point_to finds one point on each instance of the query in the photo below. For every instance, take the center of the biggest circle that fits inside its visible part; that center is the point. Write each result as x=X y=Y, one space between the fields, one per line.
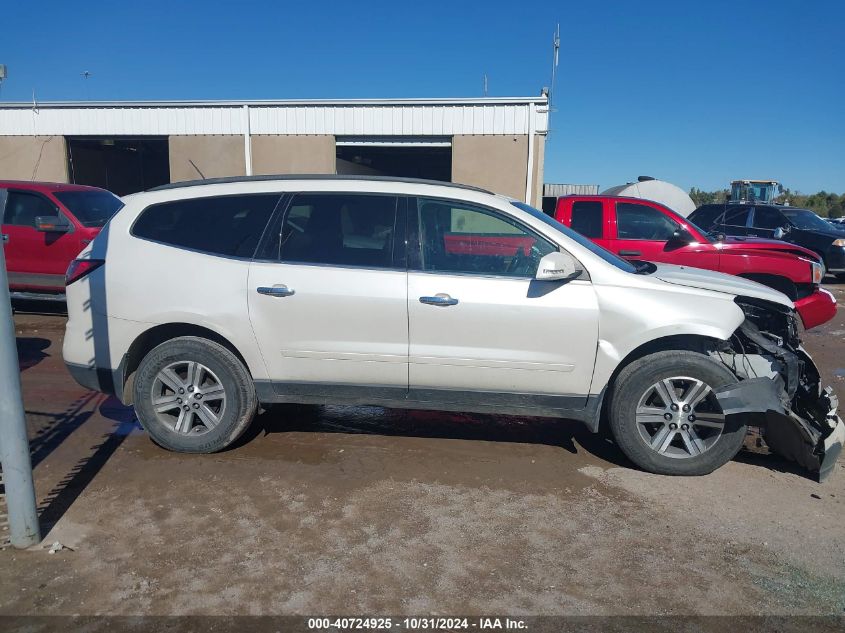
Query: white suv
x=201 y=301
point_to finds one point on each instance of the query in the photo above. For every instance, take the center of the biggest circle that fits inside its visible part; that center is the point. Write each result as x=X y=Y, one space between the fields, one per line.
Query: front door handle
x=275 y=291
x=440 y=299
x=625 y=253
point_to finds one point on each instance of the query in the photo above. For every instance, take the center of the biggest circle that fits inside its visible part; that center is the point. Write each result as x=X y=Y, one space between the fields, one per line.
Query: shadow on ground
x=72 y=485
x=31 y=351
x=569 y=435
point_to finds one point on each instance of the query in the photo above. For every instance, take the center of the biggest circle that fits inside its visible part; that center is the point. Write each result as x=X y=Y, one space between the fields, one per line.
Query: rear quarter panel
x=150 y=284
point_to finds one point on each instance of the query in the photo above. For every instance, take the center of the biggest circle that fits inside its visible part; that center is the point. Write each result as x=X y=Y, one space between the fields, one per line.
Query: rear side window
x=341 y=229
x=641 y=222
x=587 y=218
x=223 y=225
x=22 y=208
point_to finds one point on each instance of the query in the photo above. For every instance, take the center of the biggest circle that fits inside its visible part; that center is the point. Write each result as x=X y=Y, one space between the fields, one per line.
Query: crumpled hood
x=718 y=282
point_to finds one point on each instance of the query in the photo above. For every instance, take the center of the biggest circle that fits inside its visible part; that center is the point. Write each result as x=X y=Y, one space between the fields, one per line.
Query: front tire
x=193 y=395
x=666 y=419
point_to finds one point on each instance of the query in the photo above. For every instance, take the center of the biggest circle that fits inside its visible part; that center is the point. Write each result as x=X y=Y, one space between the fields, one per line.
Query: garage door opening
x=121 y=165
x=430 y=159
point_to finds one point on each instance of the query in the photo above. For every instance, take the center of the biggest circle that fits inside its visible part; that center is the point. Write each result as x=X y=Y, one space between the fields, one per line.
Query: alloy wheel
x=679 y=417
x=188 y=397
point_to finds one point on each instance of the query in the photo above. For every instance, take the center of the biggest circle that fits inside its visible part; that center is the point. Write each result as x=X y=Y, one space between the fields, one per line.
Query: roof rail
x=232 y=179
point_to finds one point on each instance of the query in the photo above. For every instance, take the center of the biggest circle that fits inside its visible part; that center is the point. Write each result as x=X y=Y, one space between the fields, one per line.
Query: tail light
x=79 y=268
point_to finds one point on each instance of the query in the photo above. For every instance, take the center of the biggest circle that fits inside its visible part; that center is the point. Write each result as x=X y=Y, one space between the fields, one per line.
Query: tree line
x=827 y=205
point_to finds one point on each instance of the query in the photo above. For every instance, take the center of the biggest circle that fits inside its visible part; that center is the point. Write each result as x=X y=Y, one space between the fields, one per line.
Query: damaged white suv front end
x=780 y=388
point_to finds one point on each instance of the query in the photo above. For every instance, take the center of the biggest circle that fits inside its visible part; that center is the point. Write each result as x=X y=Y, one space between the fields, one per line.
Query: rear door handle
x=630 y=253
x=275 y=291
x=440 y=299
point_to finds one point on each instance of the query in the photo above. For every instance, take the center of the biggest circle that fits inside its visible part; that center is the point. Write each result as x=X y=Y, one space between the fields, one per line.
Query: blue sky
x=696 y=93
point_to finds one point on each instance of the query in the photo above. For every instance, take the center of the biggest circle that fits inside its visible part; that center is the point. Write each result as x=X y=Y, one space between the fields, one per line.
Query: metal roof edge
x=469 y=101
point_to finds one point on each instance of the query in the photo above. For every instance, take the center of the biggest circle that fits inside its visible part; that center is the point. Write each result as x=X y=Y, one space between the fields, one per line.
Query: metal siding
x=390 y=119
x=556 y=190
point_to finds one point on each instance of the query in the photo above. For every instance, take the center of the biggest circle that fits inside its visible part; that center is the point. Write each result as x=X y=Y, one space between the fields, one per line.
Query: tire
x=840 y=277
x=219 y=394
x=710 y=439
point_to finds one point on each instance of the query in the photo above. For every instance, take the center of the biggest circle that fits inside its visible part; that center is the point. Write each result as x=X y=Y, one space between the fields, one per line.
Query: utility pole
x=24 y=530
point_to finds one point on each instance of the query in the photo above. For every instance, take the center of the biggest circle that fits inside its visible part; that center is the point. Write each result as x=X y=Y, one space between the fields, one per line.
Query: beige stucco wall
x=33 y=158
x=293 y=154
x=497 y=163
x=214 y=156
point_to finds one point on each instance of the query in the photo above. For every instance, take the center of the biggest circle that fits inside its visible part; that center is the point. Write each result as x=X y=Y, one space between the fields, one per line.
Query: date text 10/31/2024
x=416 y=623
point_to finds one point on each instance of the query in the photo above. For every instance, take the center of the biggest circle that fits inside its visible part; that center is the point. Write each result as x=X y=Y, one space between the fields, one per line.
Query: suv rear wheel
x=666 y=419
x=193 y=395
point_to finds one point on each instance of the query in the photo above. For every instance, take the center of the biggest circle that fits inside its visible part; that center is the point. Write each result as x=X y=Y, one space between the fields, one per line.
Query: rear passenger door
x=328 y=297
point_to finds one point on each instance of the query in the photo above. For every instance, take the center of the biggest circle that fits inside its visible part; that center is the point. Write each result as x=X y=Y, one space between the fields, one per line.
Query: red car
x=45 y=225
x=644 y=230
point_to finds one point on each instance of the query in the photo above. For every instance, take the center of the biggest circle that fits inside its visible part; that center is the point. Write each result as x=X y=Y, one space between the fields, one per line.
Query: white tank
x=660 y=191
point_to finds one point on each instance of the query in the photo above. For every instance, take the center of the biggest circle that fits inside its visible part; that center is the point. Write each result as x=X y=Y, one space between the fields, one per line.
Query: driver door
x=644 y=232
x=480 y=328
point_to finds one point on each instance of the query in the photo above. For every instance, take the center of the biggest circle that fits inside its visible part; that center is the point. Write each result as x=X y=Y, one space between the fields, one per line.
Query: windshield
x=605 y=254
x=805 y=219
x=91 y=208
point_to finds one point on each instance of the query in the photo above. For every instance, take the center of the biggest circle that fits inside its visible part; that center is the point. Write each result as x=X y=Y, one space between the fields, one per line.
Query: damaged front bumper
x=780 y=389
x=815 y=444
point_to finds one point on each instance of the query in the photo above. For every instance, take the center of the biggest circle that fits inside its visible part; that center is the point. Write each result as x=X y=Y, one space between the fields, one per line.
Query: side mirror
x=682 y=235
x=780 y=232
x=557 y=267
x=51 y=224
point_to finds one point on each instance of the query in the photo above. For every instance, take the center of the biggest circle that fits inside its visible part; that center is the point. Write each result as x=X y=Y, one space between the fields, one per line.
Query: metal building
x=495 y=143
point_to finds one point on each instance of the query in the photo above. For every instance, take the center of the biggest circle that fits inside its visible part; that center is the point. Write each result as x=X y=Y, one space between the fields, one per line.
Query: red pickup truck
x=45 y=225
x=639 y=229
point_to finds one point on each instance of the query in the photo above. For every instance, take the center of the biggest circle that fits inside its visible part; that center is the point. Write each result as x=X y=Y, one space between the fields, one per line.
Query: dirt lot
x=373 y=511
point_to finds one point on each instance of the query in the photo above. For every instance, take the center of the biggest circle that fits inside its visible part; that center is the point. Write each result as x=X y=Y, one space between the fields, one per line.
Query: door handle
x=625 y=253
x=440 y=299
x=275 y=291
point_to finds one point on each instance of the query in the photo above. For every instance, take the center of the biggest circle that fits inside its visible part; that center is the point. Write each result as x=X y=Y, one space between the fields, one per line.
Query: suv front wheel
x=193 y=395
x=666 y=419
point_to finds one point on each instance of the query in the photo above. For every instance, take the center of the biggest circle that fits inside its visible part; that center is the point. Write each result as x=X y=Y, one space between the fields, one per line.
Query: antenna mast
x=556 y=49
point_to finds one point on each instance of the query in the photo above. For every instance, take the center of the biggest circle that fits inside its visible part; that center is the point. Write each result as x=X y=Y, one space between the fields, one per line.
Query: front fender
x=631 y=318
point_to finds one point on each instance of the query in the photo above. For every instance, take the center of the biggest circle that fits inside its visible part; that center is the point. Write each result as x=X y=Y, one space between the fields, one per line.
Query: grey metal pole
x=24 y=530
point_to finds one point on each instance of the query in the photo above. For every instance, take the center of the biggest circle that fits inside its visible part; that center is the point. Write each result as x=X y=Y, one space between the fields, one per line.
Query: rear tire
x=665 y=418
x=193 y=395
